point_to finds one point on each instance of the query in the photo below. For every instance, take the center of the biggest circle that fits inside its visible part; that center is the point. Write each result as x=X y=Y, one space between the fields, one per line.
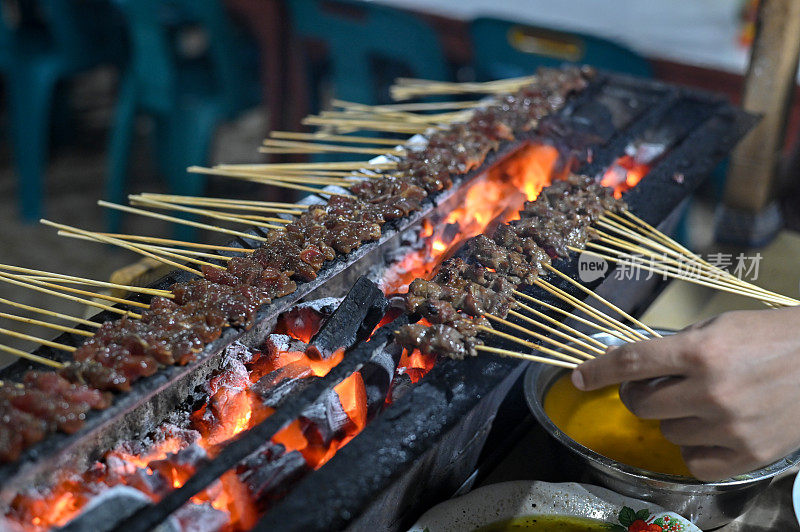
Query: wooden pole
x=768 y=88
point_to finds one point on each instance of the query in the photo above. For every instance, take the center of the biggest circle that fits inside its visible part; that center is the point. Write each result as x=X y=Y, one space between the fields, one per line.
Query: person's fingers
x=664 y=398
x=712 y=463
x=636 y=361
x=691 y=432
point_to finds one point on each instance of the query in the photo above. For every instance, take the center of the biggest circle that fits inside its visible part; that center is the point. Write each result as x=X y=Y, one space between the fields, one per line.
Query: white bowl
x=508 y=500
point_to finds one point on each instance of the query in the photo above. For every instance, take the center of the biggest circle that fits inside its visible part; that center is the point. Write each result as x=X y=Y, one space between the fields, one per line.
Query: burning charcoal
x=282 y=343
x=110 y=508
x=274 y=387
x=239 y=351
x=324 y=420
x=400 y=385
x=354 y=320
x=270 y=473
x=201 y=518
x=304 y=320
x=178 y=467
x=377 y=375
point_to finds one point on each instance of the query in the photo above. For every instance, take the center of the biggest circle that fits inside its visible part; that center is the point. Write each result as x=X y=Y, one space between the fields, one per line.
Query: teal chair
x=504 y=49
x=188 y=97
x=48 y=42
x=362 y=39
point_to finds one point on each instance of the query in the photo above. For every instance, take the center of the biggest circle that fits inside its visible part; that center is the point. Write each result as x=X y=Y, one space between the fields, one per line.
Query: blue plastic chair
x=504 y=49
x=53 y=40
x=359 y=35
x=187 y=97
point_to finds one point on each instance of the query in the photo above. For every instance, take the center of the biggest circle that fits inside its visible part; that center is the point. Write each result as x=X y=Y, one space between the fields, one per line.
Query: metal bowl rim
x=667 y=481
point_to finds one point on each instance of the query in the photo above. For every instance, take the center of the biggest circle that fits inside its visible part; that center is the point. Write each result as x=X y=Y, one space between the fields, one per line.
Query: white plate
x=517 y=499
x=796 y=497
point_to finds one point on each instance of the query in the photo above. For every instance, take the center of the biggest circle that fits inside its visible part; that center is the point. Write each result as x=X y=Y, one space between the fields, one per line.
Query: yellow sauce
x=600 y=421
x=547 y=523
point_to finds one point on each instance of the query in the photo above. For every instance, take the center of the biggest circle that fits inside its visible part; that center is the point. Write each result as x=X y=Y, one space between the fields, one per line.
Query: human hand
x=726 y=390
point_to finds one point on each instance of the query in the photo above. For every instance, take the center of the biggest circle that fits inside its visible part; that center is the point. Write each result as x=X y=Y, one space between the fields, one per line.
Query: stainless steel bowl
x=707 y=504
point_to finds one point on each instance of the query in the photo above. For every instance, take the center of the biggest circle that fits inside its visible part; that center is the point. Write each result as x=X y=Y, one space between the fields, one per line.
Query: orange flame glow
x=624 y=174
x=497 y=196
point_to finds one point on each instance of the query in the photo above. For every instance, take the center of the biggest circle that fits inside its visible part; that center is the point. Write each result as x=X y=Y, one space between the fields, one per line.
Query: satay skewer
x=690 y=270
x=95 y=295
x=626 y=260
x=523 y=356
x=604 y=301
x=570 y=315
x=29 y=356
x=264 y=207
x=419 y=106
x=46 y=312
x=179 y=254
x=149 y=202
x=351 y=139
x=320 y=147
x=48 y=343
x=199 y=225
x=44 y=275
x=542 y=337
x=181 y=243
x=46 y=324
x=255 y=177
x=580 y=342
x=69 y=297
x=121 y=243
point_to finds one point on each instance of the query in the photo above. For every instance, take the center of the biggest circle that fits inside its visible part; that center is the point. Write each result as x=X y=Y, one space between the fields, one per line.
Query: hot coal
x=109 y=508
x=356 y=317
x=276 y=386
x=271 y=472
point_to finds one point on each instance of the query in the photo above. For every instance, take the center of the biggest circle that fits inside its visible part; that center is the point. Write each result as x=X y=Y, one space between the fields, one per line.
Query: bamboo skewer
x=420 y=106
x=406 y=88
x=89 y=282
x=46 y=312
x=563 y=335
x=679 y=269
x=75 y=290
x=658 y=240
x=174 y=219
x=148 y=202
x=627 y=332
x=671 y=273
x=48 y=343
x=539 y=336
x=603 y=300
x=90 y=303
x=47 y=324
x=120 y=243
x=29 y=356
x=259 y=206
x=333 y=165
x=352 y=124
x=184 y=255
x=532 y=358
x=378 y=141
x=258 y=178
x=568 y=314
x=156 y=240
x=278 y=146
x=530 y=345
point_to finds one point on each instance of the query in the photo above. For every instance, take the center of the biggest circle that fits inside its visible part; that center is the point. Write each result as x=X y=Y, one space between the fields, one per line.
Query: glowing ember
x=624 y=174
x=497 y=196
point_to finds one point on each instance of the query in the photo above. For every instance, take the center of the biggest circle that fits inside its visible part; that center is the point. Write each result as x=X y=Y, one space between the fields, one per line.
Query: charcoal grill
x=422 y=448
